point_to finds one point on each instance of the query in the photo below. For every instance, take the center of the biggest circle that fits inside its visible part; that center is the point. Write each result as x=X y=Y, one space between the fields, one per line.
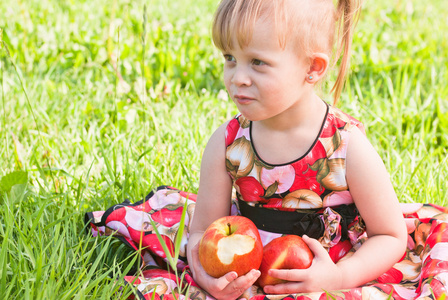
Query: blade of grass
x=180 y=231
x=29 y=105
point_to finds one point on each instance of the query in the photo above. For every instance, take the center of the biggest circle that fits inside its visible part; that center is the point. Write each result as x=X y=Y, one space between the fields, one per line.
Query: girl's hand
x=322 y=275
x=229 y=286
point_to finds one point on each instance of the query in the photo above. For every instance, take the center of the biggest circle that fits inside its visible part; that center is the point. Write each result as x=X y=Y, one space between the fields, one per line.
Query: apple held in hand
x=286 y=252
x=230 y=243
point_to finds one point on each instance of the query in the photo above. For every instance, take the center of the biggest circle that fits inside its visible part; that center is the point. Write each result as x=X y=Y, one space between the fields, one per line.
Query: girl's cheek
x=227 y=80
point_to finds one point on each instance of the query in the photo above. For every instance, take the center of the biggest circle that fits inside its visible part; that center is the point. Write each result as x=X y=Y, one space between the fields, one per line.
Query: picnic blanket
x=422 y=273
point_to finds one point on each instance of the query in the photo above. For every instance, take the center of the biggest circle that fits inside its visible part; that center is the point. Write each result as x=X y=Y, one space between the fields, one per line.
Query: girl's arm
x=374 y=196
x=213 y=202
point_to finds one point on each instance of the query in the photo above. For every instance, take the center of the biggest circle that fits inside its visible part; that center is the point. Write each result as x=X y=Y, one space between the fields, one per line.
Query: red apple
x=230 y=243
x=286 y=252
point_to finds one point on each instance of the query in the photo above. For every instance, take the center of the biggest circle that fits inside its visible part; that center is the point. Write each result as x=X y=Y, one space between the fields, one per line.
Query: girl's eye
x=229 y=58
x=257 y=62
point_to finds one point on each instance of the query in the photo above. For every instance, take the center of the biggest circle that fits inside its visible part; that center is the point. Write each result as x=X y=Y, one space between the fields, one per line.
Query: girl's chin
x=250 y=117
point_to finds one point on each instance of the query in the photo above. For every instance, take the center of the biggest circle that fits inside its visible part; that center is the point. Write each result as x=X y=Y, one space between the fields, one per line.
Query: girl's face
x=263 y=79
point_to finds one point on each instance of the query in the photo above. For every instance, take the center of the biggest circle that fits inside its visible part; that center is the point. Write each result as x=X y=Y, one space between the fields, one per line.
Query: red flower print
x=167 y=217
x=305 y=176
x=439 y=234
x=438 y=288
x=302 y=166
x=275 y=203
x=152 y=296
x=152 y=242
x=249 y=188
x=331 y=125
x=231 y=131
x=306 y=182
x=340 y=250
x=391 y=276
x=117 y=215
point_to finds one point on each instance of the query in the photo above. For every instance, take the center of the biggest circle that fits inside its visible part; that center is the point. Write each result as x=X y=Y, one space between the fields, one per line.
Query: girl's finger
x=241 y=284
x=224 y=281
x=315 y=246
x=284 y=288
x=288 y=274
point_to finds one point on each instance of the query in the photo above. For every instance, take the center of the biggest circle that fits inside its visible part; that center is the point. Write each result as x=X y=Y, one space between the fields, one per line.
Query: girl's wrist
x=341 y=275
x=345 y=271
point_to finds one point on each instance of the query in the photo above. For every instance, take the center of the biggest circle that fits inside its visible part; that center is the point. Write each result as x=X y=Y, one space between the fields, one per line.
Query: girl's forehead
x=304 y=24
x=265 y=34
x=237 y=19
x=241 y=19
x=261 y=29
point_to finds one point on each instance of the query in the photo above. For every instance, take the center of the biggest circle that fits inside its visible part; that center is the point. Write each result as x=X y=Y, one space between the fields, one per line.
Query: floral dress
x=313 y=187
x=314 y=183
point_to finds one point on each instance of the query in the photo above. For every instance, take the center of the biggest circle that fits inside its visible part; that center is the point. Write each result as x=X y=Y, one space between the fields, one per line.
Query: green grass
x=103 y=101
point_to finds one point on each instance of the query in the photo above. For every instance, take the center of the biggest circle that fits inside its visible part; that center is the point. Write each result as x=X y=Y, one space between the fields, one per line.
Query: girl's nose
x=241 y=77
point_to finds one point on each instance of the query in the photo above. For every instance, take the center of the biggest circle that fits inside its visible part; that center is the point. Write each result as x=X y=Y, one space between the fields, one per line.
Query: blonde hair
x=311 y=25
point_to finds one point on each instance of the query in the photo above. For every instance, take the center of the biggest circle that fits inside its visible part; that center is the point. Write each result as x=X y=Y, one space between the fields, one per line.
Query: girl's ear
x=318 y=67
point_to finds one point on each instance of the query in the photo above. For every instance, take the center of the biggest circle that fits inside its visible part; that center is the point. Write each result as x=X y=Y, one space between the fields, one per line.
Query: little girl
x=288 y=150
x=298 y=166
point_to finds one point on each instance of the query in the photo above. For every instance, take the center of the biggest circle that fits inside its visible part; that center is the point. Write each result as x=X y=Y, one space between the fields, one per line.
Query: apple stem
x=230 y=228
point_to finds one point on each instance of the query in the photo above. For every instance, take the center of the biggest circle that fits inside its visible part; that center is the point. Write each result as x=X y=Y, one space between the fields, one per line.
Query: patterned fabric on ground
x=422 y=273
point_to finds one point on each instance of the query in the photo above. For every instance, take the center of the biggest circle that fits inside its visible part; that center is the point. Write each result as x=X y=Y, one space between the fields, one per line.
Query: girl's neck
x=282 y=140
x=304 y=114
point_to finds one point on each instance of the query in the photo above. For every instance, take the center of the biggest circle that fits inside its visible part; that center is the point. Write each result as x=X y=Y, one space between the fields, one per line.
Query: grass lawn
x=105 y=100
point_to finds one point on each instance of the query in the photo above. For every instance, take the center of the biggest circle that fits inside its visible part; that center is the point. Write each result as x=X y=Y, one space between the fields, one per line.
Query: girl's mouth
x=242 y=99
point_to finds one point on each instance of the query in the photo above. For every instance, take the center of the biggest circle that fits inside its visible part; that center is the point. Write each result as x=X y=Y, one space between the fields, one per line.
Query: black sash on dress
x=298 y=223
